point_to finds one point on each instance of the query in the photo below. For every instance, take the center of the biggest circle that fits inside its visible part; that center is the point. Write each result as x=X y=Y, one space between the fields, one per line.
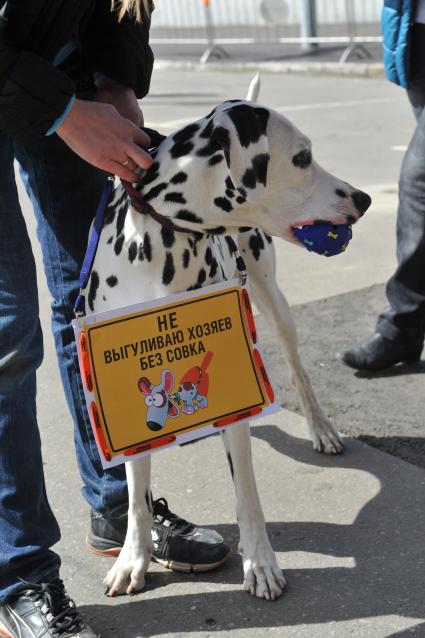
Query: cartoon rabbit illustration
x=157 y=399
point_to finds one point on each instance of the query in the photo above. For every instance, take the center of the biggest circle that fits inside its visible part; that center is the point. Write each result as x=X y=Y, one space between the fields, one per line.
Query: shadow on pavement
x=385 y=544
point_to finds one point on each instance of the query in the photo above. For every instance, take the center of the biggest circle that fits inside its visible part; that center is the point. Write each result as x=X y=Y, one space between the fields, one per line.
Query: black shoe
x=42 y=610
x=178 y=544
x=377 y=353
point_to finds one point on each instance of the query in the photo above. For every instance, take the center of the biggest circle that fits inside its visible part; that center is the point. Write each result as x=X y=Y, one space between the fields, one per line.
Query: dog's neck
x=195 y=199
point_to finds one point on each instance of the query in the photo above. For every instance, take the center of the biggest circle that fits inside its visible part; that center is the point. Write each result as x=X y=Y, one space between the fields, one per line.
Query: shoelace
x=58 y=608
x=162 y=514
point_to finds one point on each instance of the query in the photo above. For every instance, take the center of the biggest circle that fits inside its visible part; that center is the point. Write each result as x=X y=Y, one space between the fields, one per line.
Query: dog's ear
x=145 y=386
x=240 y=131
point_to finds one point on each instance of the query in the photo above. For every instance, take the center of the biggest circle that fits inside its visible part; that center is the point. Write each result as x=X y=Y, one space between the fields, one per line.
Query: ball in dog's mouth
x=324 y=238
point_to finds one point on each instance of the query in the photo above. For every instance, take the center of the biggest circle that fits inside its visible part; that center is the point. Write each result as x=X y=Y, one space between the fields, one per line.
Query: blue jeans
x=404 y=320
x=64 y=191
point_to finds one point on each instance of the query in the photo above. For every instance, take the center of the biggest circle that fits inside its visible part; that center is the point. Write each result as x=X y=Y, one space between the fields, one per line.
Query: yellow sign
x=160 y=373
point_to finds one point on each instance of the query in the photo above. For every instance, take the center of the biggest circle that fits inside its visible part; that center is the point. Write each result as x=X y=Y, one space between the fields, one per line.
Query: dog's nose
x=153 y=425
x=362 y=201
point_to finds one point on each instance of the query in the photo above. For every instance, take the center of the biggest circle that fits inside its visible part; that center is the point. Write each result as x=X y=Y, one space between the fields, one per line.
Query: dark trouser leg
x=404 y=321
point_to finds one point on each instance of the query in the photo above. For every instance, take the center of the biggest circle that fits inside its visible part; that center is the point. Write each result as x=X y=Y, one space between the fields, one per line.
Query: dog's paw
x=263 y=581
x=325 y=438
x=127 y=576
x=262 y=576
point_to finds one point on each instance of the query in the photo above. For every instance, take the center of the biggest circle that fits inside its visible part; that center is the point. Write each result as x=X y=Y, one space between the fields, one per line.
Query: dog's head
x=245 y=165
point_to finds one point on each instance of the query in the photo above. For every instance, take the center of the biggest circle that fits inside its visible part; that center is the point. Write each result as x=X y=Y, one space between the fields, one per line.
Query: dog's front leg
x=269 y=297
x=262 y=576
x=128 y=573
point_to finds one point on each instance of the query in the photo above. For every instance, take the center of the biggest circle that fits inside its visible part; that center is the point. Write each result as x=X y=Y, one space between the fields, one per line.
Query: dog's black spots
x=249 y=178
x=118 y=245
x=154 y=191
x=242 y=192
x=147 y=247
x=229 y=184
x=168 y=236
x=230 y=245
x=176 y=198
x=188 y=216
x=112 y=281
x=151 y=174
x=229 y=458
x=186 y=133
x=141 y=252
x=148 y=499
x=256 y=243
x=224 y=204
x=250 y=123
x=186 y=258
x=229 y=193
x=109 y=215
x=94 y=285
x=202 y=275
x=194 y=246
x=220 y=247
x=268 y=237
x=244 y=229
x=215 y=159
x=208 y=150
x=179 y=178
x=240 y=200
x=208 y=256
x=213 y=268
x=132 y=251
x=221 y=137
x=207 y=131
x=121 y=220
x=211 y=113
x=302 y=159
x=260 y=163
x=169 y=270
x=340 y=193
x=194 y=287
x=103 y=297
x=110 y=240
x=219 y=230
x=180 y=149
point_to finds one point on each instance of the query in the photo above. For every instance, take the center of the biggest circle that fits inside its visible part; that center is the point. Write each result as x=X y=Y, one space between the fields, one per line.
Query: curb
x=350 y=69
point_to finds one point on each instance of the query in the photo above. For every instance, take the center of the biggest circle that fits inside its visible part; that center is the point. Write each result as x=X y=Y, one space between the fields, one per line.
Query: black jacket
x=33 y=92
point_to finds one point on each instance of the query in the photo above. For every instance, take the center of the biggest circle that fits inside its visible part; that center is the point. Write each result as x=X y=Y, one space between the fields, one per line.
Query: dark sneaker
x=43 y=610
x=178 y=544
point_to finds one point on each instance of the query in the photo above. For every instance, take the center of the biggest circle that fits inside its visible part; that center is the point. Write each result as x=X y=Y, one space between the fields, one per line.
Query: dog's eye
x=158 y=400
x=149 y=401
x=302 y=159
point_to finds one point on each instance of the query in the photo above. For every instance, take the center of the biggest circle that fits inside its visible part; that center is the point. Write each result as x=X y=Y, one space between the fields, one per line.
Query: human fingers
x=139 y=156
x=118 y=169
x=141 y=138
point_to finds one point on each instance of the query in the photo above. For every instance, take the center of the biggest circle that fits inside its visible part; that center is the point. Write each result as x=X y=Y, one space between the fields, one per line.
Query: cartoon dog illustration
x=193 y=387
x=158 y=400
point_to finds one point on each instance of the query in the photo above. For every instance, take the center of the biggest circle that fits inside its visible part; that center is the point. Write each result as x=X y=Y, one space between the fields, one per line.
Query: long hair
x=132 y=7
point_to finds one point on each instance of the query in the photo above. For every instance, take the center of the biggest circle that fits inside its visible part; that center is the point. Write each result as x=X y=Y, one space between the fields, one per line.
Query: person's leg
x=65 y=191
x=405 y=319
x=27 y=526
x=400 y=329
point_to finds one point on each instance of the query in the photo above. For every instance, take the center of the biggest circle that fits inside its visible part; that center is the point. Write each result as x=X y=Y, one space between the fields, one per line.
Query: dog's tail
x=254 y=88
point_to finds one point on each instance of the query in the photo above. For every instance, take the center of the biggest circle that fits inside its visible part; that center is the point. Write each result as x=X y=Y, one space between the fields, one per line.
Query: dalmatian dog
x=243 y=170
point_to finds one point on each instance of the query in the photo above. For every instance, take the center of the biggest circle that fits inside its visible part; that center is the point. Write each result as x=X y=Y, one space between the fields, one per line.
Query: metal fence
x=218 y=24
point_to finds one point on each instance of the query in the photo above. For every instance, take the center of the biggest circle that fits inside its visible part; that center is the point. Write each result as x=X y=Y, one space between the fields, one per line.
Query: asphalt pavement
x=348 y=531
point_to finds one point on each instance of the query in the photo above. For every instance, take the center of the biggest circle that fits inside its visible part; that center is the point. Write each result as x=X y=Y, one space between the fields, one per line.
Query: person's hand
x=123 y=98
x=101 y=136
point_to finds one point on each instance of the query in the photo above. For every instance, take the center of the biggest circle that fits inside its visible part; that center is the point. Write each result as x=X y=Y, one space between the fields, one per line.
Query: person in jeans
x=400 y=330
x=70 y=76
